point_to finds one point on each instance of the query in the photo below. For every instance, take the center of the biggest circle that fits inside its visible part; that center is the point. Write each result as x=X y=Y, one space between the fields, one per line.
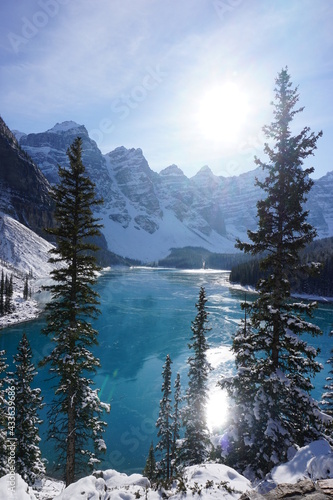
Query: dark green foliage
x=6 y=295
x=28 y=402
x=26 y=288
x=246 y=273
x=164 y=424
x=271 y=390
x=75 y=415
x=197 y=258
x=196 y=442
x=150 y=468
x=175 y=427
x=319 y=283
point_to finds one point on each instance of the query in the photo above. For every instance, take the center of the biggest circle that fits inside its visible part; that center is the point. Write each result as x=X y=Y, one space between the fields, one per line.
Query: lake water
x=147 y=314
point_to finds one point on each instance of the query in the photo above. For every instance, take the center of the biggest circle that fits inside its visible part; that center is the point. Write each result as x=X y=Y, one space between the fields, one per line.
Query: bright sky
x=188 y=81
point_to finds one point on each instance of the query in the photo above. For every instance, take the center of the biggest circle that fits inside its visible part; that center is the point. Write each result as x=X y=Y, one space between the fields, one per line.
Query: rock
x=303 y=489
x=326 y=485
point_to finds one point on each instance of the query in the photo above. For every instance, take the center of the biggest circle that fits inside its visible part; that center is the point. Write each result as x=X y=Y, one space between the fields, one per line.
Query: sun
x=222 y=112
x=217 y=409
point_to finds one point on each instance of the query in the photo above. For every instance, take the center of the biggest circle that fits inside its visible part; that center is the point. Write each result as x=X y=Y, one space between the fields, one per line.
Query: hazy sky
x=188 y=81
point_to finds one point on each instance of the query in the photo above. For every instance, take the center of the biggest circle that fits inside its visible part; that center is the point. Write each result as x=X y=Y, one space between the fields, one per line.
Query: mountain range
x=145 y=213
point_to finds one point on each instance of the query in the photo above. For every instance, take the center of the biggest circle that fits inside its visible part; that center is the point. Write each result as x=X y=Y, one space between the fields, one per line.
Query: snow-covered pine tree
x=150 y=468
x=4 y=455
x=196 y=443
x=26 y=288
x=28 y=402
x=274 y=365
x=175 y=426
x=75 y=414
x=9 y=289
x=164 y=424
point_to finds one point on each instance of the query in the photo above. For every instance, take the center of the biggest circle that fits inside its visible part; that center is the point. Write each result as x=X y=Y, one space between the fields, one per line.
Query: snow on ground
x=23 y=249
x=314 y=461
x=205 y=482
x=23 y=253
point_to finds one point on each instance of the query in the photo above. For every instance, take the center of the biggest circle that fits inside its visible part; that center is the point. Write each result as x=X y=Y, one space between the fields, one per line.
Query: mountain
x=25 y=192
x=146 y=213
x=23 y=249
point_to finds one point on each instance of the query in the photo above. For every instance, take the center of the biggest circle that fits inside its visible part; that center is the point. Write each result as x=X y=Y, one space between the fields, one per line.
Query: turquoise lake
x=147 y=314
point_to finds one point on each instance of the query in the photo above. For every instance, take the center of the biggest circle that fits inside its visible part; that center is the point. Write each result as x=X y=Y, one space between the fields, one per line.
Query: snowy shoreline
x=33 y=308
x=209 y=481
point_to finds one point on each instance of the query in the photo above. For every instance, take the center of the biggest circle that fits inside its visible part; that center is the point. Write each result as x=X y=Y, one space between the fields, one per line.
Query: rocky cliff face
x=146 y=213
x=48 y=150
x=24 y=189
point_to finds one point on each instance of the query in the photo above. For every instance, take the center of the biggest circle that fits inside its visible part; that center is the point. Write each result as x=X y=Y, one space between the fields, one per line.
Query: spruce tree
x=26 y=288
x=150 y=467
x=164 y=423
x=75 y=415
x=196 y=443
x=274 y=364
x=175 y=426
x=9 y=289
x=28 y=402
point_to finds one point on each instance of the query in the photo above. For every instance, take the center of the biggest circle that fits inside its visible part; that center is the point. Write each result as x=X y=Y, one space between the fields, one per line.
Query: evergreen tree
x=26 y=288
x=4 y=421
x=9 y=289
x=27 y=403
x=175 y=426
x=150 y=467
x=274 y=365
x=196 y=442
x=75 y=415
x=164 y=422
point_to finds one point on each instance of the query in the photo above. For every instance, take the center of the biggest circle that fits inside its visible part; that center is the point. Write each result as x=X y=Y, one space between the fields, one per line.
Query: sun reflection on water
x=217 y=410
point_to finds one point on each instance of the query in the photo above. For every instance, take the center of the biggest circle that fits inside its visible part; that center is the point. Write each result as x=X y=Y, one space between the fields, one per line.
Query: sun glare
x=217 y=409
x=222 y=112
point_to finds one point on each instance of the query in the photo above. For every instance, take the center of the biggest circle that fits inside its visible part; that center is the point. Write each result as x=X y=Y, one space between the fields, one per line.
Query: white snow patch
x=314 y=461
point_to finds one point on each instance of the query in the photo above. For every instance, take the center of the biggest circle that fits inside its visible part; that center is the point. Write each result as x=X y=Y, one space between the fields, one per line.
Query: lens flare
x=217 y=410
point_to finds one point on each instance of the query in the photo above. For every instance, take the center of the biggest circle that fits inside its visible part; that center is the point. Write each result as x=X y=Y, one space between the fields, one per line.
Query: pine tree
x=196 y=442
x=274 y=365
x=28 y=402
x=150 y=467
x=26 y=288
x=9 y=289
x=75 y=415
x=175 y=426
x=164 y=422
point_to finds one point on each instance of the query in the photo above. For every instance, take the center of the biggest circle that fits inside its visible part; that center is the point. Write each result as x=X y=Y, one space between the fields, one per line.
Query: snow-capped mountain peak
x=64 y=127
x=146 y=213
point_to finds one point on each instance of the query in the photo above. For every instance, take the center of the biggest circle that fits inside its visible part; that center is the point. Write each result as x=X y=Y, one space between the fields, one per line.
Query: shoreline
x=31 y=309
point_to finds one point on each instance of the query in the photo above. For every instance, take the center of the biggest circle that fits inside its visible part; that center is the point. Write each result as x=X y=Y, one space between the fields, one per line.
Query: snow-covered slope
x=23 y=249
x=22 y=253
x=205 y=482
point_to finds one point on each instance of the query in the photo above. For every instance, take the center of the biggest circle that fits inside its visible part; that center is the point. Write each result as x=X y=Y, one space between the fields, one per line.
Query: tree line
x=7 y=305
x=318 y=283
x=173 y=450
